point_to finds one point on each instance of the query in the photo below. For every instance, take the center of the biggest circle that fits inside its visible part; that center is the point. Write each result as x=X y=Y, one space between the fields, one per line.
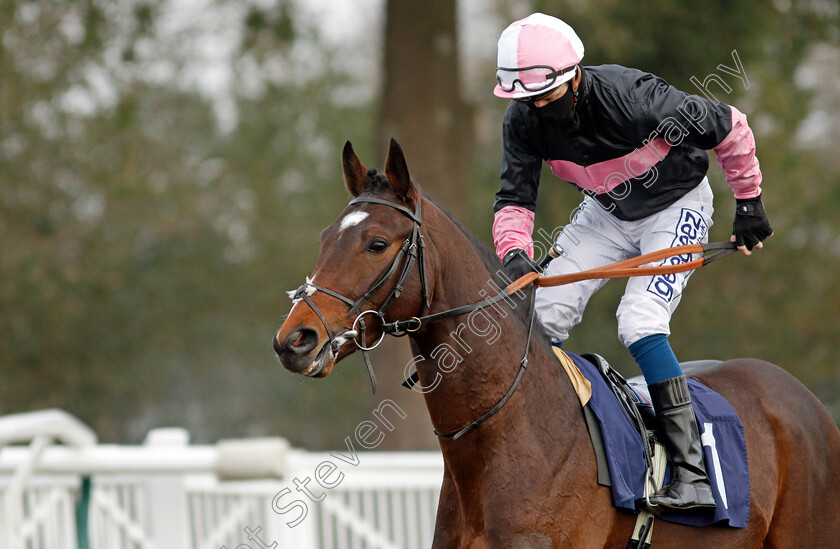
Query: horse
x=527 y=477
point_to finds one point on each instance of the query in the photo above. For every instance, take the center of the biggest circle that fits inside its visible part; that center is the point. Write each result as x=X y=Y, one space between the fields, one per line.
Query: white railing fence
x=64 y=491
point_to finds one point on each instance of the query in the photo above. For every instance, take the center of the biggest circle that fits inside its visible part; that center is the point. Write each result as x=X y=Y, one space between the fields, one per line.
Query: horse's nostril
x=302 y=341
x=275 y=342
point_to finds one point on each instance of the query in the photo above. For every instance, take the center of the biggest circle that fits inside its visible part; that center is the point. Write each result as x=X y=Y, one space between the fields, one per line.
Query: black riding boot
x=689 y=487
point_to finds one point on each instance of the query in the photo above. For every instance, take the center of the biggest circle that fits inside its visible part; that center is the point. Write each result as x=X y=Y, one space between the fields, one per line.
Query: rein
x=622 y=269
x=413 y=250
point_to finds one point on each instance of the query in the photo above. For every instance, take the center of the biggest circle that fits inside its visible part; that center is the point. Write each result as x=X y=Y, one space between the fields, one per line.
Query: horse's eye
x=377 y=246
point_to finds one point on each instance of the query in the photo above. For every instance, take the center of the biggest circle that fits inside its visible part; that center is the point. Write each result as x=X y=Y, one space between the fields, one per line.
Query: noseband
x=412 y=249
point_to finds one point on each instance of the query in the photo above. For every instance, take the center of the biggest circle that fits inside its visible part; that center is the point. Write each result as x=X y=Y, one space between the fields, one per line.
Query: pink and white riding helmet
x=536 y=55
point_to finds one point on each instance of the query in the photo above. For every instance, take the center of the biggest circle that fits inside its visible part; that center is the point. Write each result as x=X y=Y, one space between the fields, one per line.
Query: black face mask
x=561 y=111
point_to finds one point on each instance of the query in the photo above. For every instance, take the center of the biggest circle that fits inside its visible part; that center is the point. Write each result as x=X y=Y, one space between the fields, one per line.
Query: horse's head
x=364 y=257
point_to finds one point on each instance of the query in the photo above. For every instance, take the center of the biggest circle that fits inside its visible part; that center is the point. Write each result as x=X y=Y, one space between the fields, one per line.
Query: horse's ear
x=355 y=173
x=396 y=171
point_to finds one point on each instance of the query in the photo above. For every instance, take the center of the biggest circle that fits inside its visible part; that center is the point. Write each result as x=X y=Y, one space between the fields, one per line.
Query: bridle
x=413 y=250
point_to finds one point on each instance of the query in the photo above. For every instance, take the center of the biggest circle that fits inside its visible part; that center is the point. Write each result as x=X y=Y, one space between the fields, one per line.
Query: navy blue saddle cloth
x=724 y=450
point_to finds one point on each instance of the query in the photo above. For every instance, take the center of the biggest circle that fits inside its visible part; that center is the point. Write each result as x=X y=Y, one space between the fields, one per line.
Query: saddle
x=639 y=409
x=622 y=426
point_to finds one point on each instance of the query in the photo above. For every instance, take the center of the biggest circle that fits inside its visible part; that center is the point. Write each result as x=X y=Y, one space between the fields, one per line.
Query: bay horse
x=526 y=478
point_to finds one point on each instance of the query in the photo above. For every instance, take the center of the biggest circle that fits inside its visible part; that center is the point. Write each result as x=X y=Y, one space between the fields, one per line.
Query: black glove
x=517 y=264
x=751 y=225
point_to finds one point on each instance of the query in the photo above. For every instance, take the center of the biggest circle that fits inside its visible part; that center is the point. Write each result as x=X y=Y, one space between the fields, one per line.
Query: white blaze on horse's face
x=351 y=220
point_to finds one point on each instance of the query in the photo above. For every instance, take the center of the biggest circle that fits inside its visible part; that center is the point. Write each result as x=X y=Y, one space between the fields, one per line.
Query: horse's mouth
x=323 y=363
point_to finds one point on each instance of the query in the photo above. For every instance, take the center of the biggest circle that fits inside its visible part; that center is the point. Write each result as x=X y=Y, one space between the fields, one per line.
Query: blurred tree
x=423 y=109
x=147 y=249
x=421 y=101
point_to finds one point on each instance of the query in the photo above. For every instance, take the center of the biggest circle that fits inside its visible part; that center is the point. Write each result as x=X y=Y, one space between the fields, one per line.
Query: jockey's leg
x=593 y=239
x=643 y=323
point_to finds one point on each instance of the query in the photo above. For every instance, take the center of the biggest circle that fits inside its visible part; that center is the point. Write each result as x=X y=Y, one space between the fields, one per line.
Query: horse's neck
x=472 y=360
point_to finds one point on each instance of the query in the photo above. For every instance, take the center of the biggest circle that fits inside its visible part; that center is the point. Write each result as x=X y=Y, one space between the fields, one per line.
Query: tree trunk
x=421 y=104
x=422 y=108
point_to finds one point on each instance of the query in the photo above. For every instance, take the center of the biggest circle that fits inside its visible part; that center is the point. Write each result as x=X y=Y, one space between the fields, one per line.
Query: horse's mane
x=487 y=256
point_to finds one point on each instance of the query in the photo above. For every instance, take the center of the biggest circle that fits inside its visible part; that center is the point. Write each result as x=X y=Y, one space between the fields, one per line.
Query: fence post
x=305 y=534
x=167 y=495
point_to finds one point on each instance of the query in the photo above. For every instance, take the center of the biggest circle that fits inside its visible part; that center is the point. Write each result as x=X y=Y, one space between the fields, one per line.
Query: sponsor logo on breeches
x=690 y=229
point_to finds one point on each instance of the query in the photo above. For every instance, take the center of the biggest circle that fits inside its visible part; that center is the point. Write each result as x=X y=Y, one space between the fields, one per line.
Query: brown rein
x=632 y=267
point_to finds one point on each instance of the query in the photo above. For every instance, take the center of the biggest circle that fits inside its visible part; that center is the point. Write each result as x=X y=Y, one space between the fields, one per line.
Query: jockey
x=635 y=147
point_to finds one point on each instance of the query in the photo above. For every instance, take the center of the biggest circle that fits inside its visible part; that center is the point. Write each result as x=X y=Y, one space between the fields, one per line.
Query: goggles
x=530 y=79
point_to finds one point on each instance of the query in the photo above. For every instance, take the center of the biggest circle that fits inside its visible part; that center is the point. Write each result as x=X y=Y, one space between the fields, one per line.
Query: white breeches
x=596 y=238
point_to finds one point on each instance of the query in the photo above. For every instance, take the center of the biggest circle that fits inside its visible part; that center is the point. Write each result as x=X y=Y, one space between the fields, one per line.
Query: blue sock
x=656 y=359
